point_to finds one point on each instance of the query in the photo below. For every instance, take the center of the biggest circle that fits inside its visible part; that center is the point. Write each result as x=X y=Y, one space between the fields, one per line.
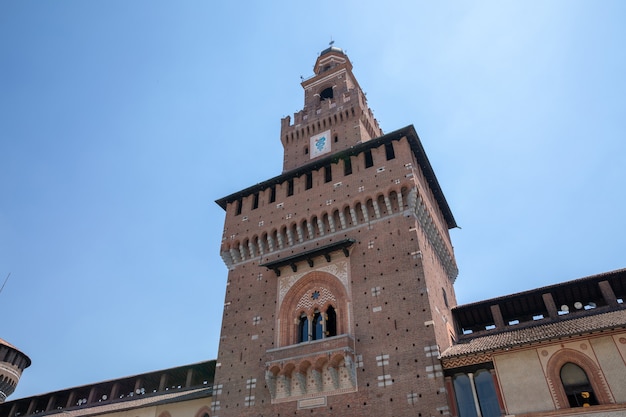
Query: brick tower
x=12 y=364
x=341 y=269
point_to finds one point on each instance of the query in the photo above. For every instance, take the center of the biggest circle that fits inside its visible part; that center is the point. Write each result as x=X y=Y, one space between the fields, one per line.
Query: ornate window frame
x=593 y=371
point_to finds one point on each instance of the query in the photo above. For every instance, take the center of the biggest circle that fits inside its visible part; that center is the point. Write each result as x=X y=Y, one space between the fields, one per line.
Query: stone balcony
x=310 y=371
x=310 y=351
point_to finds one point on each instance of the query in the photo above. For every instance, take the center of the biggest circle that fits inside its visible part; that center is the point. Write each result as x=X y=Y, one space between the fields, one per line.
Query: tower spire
x=335 y=115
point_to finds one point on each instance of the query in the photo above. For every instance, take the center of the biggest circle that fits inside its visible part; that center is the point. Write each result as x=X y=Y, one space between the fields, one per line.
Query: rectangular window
x=272 y=193
x=347 y=166
x=309 y=180
x=389 y=152
x=289 y=187
x=328 y=173
x=255 y=201
x=369 y=161
x=238 y=207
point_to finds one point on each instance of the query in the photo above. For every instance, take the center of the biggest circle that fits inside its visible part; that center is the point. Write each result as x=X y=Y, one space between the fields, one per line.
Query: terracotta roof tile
x=552 y=330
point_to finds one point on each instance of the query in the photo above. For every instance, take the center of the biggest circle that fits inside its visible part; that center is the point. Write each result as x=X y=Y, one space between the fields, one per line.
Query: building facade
x=553 y=351
x=340 y=299
x=180 y=391
x=341 y=269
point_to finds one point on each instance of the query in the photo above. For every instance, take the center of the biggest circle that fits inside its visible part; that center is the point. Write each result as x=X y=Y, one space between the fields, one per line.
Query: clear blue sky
x=121 y=122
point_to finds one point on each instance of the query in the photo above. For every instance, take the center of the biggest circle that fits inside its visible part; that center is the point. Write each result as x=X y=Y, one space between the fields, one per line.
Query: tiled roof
x=5 y=343
x=552 y=330
x=137 y=402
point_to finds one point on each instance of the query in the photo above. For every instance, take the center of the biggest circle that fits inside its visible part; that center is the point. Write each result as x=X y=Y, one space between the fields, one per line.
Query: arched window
x=321 y=326
x=464 y=397
x=486 y=390
x=331 y=322
x=476 y=394
x=326 y=93
x=318 y=326
x=303 y=329
x=577 y=387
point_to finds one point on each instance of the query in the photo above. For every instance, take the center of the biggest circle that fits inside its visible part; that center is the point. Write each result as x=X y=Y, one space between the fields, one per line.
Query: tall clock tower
x=341 y=269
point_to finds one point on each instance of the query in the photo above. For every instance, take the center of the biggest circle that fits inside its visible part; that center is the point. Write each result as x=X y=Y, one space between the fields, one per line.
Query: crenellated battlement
x=335 y=110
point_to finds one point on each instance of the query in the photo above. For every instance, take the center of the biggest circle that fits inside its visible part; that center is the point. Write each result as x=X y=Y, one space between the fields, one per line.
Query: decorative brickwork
x=340 y=259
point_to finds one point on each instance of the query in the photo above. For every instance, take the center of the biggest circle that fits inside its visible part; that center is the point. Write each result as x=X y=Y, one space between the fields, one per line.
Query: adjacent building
x=181 y=391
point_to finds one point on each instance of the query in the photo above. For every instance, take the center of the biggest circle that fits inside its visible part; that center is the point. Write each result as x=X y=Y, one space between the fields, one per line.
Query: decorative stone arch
x=314 y=222
x=332 y=292
x=304 y=226
x=293 y=227
x=274 y=370
x=337 y=220
x=274 y=241
x=326 y=222
x=381 y=201
x=304 y=366
x=203 y=412
x=371 y=210
x=288 y=369
x=260 y=245
x=165 y=414
x=393 y=199
x=320 y=363
x=404 y=194
x=347 y=215
x=594 y=373
x=235 y=253
x=361 y=217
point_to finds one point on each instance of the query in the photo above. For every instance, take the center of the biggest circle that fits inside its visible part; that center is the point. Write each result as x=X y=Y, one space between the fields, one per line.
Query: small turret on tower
x=335 y=114
x=12 y=363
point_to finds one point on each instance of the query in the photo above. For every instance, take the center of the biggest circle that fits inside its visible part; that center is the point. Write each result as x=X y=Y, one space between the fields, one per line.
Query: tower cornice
x=408 y=132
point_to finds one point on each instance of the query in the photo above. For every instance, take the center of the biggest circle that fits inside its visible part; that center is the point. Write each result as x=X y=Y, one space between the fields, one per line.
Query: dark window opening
x=577 y=387
x=347 y=166
x=336 y=139
x=255 y=201
x=309 y=180
x=328 y=174
x=389 y=152
x=303 y=329
x=318 y=326
x=445 y=297
x=306 y=150
x=331 y=322
x=290 y=187
x=369 y=161
x=238 y=208
x=272 y=194
x=326 y=93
